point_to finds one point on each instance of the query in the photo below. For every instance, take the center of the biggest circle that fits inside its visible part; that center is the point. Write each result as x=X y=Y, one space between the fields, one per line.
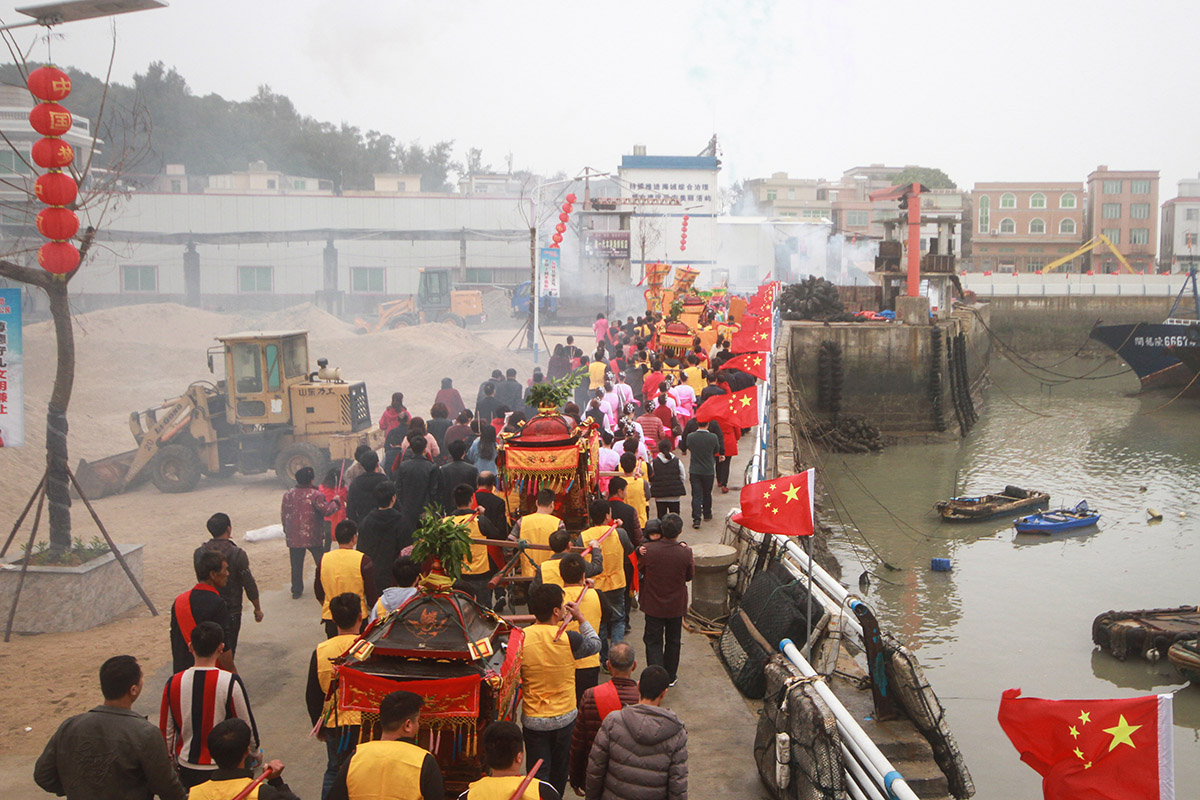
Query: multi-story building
x=1023 y=226
x=1121 y=206
x=257 y=179
x=16 y=161
x=490 y=183
x=790 y=198
x=1179 y=247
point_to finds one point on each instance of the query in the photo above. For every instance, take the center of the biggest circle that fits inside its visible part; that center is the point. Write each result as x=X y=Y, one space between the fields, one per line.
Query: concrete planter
x=60 y=599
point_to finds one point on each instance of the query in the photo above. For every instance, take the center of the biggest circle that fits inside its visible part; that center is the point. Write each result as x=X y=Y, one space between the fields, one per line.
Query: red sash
x=607 y=699
x=183 y=610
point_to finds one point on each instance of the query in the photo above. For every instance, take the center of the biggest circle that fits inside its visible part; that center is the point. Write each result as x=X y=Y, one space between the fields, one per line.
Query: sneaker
x=708 y=517
x=297 y=595
x=724 y=490
x=696 y=524
x=673 y=682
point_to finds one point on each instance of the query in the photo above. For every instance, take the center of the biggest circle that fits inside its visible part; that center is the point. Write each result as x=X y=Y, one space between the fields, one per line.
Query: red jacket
x=587 y=725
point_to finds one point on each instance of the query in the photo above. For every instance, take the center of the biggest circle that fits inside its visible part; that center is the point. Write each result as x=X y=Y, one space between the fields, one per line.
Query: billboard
x=606 y=244
x=12 y=394
x=549 y=261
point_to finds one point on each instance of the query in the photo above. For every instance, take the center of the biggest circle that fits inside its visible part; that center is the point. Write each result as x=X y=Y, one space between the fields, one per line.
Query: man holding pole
x=504 y=756
x=536 y=528
x=477 y=568
x=394 y=761
x=611 y=581
x=231 y=747
x=594 y=607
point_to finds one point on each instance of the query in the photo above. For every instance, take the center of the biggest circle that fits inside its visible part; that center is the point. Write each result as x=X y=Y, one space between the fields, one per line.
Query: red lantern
x=685 y=218
x=683 y=247
x=50 y=119
x=58 y=257
x=52 y=153
x=55 y=189
x=566 y=207
x=683 y=237
x=554 y=246
x=57 y=223
x=557 y=238
x=560 y=228
x=571 y=197
x=49 y=83
x=563 y=217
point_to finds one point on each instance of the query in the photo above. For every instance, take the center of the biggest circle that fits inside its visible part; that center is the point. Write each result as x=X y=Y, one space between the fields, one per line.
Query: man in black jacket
x=418 y=486
x=241 y=579
x=510 y=392
x=381 y=533
x=360 y=497
x=229 y=744
x=455 y=473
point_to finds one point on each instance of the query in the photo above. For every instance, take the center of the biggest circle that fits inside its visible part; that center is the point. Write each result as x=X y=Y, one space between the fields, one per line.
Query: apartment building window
x=300 y=184
x=176 y=186
x=861 y=219
x=255 y=279
x=1037 y=226
x=1110 y=210
x=791 y=194
x=1008 y=200
x=1008 y=226
x=1139 y=187
x=1113 y=234
x=1139 y=211
x=985 y=208
x=1139 y=236
x=1191 y=214
x=136 y=278
x=1066 y=201
x=1112 y=187
x=1037 y=200
x=1067 y=226
x=770 y=194
x=1034 y=264
x=367 y=280
x=270 y=183
x=475 y=275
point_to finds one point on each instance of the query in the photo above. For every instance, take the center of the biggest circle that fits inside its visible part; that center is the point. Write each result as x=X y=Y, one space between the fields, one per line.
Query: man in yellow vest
x=637 y=485
x=594 y=607
x=504 y=756
x=393 y=768
x=347 y=570
x=477 y=568
x=548 y=679
x=339 y=729
x=611 y=581
x=560 y=545
x=536 y=528
x=229 y=744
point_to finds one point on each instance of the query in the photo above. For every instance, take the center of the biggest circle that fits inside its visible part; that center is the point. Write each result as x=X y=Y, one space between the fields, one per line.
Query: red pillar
x=914 y=240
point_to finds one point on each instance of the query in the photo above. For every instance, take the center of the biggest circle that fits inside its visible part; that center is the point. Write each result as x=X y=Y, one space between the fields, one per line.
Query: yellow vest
x=694 y=377
x=591 y=612
x=550 y=573
x=635 y=492
x=386 y=771
x=327 y=651
x=536 y=529
x=547 y=672
x=341 y=571
x=477 y=563
x=502 y=788
x=613 y=575
x=224 y=790
x=596 y=371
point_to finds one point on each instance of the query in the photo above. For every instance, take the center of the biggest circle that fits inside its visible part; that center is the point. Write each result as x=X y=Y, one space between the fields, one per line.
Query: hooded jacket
x=640 y=753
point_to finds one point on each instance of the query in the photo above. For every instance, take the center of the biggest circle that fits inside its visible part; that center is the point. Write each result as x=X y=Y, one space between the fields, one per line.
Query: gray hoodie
x=640 y=753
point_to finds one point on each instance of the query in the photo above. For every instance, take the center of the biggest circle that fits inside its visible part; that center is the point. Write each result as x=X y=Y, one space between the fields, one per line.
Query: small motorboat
x=1012 y=500
x=1185 y=655
x=1148 y=632
x=1064 y=519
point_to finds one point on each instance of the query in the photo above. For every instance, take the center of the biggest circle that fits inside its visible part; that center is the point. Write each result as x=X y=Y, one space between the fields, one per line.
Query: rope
x=1173 y=399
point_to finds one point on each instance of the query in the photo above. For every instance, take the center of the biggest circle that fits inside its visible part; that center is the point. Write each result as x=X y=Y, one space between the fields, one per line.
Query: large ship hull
x=1144 y=347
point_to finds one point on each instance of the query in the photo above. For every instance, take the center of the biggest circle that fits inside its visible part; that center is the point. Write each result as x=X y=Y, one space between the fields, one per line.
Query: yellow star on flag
x=774 y=510
x=745 y=401
x=1078 y=753
x=757 y=361
x=1073 y=731
x=1122 y=733
x=1084 y=717
x=792 y=493
x=1088 y=765
x=771 y=487
x=766 y=495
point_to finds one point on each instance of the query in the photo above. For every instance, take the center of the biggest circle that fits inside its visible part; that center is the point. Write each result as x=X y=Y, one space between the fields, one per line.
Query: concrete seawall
x=1057 y=323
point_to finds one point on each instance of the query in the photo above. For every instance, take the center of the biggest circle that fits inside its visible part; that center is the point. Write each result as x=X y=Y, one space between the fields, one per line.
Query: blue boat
x=1064 y=519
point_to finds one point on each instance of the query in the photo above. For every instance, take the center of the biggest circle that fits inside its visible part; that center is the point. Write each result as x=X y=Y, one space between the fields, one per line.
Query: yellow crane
x=1089 y=245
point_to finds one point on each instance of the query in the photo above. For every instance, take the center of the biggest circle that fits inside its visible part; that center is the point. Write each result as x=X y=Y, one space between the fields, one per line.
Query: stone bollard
x=710 y=587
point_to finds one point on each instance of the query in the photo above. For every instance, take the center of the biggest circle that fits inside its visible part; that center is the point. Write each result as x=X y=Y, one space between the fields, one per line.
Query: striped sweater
x=193 y=702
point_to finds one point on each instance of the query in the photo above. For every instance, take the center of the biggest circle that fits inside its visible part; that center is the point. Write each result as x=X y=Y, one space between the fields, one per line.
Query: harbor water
x=1015 y=611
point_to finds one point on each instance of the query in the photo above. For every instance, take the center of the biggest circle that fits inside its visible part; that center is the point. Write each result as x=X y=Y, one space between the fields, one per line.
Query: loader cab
x=260 y=368
x=433 y=293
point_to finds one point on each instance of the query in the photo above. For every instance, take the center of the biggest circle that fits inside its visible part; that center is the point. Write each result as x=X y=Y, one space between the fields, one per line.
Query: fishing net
x=811 y=768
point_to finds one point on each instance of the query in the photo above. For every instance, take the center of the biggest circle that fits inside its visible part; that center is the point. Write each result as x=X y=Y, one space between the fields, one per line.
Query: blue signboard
x=12 y=394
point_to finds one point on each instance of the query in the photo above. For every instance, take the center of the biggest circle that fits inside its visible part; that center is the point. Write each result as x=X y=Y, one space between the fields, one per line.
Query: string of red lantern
x=683 y=234
x=55 y=188
x=563 y=218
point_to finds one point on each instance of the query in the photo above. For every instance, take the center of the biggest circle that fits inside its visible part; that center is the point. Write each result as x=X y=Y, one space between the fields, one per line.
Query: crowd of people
x=606 y=740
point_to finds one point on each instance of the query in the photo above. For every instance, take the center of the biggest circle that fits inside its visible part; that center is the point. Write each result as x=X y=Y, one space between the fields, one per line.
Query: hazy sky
x=1012 y=90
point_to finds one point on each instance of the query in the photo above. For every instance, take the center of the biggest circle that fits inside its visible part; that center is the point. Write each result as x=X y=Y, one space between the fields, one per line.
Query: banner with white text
x=12 y=394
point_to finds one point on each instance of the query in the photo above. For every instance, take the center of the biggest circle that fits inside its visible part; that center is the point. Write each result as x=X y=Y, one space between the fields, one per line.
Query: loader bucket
x=104 y=477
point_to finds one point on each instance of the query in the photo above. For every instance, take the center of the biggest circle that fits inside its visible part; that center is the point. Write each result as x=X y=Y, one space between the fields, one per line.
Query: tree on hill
x=930 y=177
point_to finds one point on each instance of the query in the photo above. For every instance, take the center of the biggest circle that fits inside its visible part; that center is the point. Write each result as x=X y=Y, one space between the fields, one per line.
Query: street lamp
x=52 y=14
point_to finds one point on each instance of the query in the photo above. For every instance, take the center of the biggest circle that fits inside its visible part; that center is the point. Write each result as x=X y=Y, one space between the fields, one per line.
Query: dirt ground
x=133 y=358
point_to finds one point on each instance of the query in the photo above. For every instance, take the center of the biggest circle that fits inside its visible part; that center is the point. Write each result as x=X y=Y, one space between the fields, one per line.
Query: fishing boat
x=1064 y=519
x=1185 y=656
x=1148 y=633
x=1012 y=500
x=1146 y=346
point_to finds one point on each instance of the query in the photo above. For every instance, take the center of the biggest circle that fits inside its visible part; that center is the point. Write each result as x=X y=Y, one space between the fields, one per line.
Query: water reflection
x=1016 y=610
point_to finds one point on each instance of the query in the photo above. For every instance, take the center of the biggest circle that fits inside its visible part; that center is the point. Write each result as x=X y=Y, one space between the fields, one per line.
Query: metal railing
x=867 y=772
x=1031 y=284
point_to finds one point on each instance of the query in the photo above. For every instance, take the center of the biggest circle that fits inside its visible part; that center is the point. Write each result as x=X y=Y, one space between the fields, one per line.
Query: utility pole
x=533 y=280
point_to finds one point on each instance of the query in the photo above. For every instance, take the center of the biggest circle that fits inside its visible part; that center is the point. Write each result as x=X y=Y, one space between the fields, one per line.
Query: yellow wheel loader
x=269 y=412
x=434 y=301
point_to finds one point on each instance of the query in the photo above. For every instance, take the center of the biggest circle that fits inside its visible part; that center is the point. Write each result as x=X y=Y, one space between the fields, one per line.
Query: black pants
x=297 y=556
x=723 y=472
x=662 y=508
x=235 y=628
x=585 y=679
x=194 y=777
x=554 y=749
x=658 y=629
x=702 y=486
x=477 y=587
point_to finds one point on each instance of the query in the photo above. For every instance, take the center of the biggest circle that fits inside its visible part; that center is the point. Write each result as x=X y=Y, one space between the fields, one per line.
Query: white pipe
x=859 y=776
x=852 y=788
x=893 y=783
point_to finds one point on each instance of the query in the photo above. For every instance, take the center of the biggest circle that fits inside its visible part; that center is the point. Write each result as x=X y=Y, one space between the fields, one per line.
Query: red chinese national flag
x=780 y=505
x=752 y=338
x=753 y=363
x=1094 y=749
x=739 y=409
